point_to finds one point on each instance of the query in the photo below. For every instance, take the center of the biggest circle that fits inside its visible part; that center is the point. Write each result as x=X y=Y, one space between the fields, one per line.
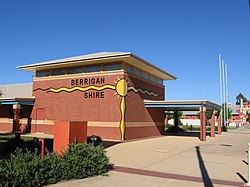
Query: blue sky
x=182 y=37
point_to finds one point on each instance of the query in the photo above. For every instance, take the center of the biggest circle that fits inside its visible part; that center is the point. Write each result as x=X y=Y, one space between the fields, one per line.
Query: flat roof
x=101 y=57
x=17 y=100
x=23 y=90
x=182 y=105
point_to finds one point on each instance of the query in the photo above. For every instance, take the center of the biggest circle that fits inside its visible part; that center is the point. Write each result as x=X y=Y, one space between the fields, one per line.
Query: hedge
x=29 y=169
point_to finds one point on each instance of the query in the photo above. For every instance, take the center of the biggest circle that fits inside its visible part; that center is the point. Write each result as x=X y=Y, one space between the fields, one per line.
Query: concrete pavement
x=176 y=161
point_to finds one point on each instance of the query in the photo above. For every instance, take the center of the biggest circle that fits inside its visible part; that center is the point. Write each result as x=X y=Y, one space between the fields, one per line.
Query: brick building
x=105 y=89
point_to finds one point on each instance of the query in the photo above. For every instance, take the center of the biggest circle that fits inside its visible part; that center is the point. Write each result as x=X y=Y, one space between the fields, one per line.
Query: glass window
x=44 y=73
x=156 y=79
x=159 y=81
x=153 y=78
x=110 y=67
x=128 y=68
x=146 y=75
x=138 y=72
x=58 y=72
x=75 y=70
x=89 y=69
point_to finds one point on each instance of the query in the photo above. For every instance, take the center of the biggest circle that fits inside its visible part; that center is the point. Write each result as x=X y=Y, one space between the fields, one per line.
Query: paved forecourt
x=177 y=160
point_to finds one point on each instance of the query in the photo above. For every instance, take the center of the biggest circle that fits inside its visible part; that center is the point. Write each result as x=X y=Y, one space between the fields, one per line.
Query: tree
x=171 y=116
x=227 y=110
x=208 y=115
x=239 y=97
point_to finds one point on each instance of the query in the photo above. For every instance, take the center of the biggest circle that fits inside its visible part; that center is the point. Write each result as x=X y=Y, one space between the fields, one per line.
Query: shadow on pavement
x=187 y=134
x=241 y=177
x=245 y=162
x=205 y=177
x=107 y=144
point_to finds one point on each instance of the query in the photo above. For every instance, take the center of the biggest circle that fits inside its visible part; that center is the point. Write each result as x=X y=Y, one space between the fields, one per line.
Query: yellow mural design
x=82 y=89
x=122 y=88
x=142 y=91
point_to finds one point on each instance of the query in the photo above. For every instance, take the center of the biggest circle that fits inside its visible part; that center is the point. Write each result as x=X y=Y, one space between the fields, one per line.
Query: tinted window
x=75 y=70
x=110 y=67
x=89 y=69
x=146 y=75
x=138 y=71
x=128 y=68
x=57 y=72
x=42 y=73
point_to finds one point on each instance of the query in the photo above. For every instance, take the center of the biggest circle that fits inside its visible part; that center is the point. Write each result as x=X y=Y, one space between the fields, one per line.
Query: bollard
x=42 y=146
x=248 y=183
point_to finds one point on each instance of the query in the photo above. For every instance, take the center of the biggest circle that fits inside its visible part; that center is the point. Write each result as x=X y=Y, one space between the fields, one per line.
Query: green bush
x=28 y=169
x=83 y=160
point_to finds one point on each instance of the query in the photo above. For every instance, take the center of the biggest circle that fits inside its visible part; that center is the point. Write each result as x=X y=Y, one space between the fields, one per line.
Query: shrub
x=29 y=169
x=83 y=160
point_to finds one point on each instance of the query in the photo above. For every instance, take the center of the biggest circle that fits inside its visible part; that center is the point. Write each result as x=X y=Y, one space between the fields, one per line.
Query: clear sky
x=183 y=37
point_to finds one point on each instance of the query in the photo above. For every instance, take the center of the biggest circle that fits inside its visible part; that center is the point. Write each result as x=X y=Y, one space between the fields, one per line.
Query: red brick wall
x=6 y=127
x=139 y=82
x=70 y=106
x=136 y=111
x=47 y=129
x=110 y=133
x=142 y=132
x=73 y=105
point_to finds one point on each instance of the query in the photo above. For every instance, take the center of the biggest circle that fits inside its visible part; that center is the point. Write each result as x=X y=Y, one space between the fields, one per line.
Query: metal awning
x=14 y=101
x=182 y=105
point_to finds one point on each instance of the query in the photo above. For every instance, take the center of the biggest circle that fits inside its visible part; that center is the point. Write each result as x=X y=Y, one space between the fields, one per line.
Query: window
x=58 y=72
x=75 y=70
x=128 y=68
x=138 y=72
x=146 y=75
x=159 y=81
x=89 y=69
x=44 y=73
x=110 y=67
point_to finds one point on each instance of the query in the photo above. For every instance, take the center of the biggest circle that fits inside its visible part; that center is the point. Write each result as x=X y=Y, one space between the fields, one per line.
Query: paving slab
x=177 y=161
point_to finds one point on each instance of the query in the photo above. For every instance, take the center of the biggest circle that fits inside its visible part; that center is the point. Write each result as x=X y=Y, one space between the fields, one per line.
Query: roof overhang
x=21 y=101
x=182 y=105
x=97 y=58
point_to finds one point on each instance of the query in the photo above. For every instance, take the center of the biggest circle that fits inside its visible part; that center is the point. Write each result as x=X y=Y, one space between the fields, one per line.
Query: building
x=239 y=115
x=11 y=95
x=105 y=89
x=118 y=94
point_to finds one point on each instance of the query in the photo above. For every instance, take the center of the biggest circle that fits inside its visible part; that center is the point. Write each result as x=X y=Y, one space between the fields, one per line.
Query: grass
x=7 y=137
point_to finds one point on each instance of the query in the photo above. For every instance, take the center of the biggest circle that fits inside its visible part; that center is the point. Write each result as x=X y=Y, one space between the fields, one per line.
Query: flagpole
x=226 y=98
x=220 y=67
x=223 y=90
